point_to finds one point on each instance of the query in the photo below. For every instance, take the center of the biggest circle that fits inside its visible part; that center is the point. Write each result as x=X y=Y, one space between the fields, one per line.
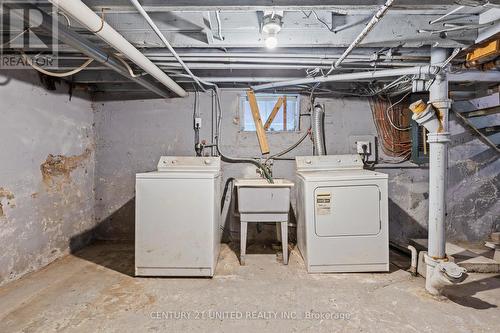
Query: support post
x=439 y=271
x=438 y=145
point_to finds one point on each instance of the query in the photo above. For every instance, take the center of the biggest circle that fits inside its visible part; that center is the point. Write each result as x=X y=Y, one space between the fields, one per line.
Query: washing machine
x=342 y=215
x=177 y=217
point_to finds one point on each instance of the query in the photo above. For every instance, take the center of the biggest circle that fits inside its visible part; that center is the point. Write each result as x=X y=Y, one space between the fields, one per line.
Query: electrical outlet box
x=197 y=122
x=356 y=143
x=363 y=147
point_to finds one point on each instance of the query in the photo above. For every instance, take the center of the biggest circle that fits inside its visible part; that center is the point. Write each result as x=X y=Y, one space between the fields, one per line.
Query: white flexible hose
x=64 y=74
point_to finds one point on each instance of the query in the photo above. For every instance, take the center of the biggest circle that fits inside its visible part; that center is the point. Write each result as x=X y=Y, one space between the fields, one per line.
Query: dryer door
x=352 y=210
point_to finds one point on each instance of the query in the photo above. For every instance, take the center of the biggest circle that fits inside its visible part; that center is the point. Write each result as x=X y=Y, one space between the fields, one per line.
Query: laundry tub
x=261 y=201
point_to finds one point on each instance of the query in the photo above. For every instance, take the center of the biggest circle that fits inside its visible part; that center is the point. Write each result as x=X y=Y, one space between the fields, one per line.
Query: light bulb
x=271 y=42
x=271 y=28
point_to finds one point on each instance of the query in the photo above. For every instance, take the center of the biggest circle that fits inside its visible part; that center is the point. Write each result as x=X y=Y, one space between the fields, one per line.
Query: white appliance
x=342 y=215
x=177 y=214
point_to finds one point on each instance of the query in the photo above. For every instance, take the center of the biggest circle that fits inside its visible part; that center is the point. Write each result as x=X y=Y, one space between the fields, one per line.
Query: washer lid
x=177 y=175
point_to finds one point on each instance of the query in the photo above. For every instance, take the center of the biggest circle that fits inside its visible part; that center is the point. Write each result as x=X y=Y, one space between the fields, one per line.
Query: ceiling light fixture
x=272 y=22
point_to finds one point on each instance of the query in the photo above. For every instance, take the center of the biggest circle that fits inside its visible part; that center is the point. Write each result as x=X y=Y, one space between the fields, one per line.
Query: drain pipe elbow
x=318 y=130
x=425 y=115
x=414 y=259
x=442 y=273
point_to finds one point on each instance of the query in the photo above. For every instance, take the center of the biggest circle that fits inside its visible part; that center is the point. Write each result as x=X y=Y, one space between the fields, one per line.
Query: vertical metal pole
x=438 y=91
x=438 y=162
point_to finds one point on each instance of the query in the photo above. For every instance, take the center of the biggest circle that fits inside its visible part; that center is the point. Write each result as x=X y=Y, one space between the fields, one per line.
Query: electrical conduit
x=373 y=22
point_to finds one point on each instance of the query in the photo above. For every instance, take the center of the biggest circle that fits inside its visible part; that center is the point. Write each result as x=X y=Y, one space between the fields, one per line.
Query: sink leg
x=278 y=231
x=284 y=241
x=243 y=242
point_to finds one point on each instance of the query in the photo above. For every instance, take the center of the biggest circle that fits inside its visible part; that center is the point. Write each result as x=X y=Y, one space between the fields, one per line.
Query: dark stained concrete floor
x=94 y=291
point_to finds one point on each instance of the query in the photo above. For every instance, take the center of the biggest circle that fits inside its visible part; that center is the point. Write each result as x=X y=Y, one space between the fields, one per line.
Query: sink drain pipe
x=434 y=117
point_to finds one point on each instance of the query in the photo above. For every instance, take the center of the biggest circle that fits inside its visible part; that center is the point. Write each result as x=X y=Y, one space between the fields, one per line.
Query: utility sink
x=261 y=201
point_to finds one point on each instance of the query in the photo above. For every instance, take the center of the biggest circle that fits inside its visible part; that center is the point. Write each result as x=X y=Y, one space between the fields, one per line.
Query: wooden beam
x=284 y=113
x=259 y=129
x=273 y=114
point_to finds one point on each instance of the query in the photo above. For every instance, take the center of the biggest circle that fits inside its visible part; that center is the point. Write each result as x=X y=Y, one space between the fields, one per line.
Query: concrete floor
x=93 y=291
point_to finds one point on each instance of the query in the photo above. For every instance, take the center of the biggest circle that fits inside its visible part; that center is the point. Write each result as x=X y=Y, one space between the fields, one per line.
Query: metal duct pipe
x=318 y=130
x=98 y=26
x=431 y=70
x=81 y=44
x=373 y=22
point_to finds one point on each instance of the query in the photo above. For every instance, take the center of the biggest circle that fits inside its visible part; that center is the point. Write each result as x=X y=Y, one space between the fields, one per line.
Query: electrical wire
x=16 y=37
x=229 y=159
x=54 y=74
x=331 y=29
x=395 y=144
x=66 y=17
x=219 y=24
x=292 y=147
x=127 y=66
x=391 y=107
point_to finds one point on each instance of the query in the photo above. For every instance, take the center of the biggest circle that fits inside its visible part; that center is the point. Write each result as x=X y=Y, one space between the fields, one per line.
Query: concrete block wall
x=46 y=173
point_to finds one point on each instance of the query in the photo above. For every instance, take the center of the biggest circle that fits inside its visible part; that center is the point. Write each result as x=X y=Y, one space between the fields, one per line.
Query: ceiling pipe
x=467 y=76
x=91 y=50
x=419 y=70
x=311 y=62
x=90 y=20
x=373 y=22
x=230 y=66
x=155 y=54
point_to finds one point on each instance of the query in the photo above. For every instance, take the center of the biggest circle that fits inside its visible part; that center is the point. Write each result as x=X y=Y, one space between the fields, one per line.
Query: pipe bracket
x=443 y=137
x=441 y=104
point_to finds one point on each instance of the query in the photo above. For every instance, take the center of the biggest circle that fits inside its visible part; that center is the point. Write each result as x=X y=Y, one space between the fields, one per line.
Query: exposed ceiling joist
x=231 y=5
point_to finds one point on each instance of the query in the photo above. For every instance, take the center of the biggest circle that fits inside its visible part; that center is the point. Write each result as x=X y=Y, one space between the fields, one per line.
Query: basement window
x=286 y=119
